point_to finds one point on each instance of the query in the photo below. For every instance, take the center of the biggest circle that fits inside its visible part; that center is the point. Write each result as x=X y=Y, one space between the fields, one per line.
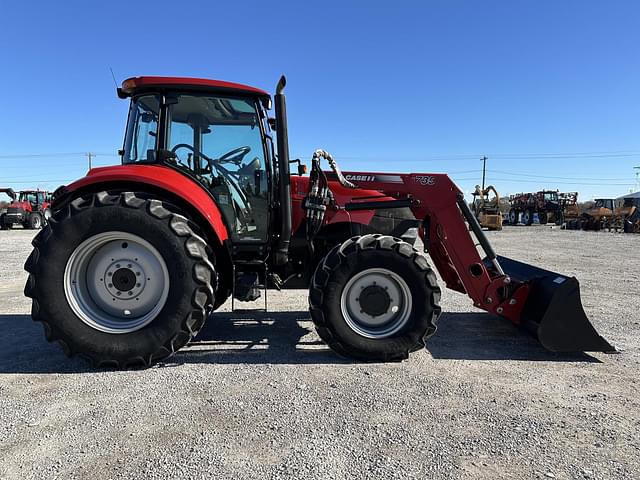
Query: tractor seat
x=250 y=167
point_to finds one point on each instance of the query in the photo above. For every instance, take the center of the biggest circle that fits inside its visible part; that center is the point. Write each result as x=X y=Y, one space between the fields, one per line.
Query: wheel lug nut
x=129 y=265
x=110 y=274
x=138 y=274
x=110 y=285
x=118 y=293
x=137 y=285
x=130 y=294
x=117 y=265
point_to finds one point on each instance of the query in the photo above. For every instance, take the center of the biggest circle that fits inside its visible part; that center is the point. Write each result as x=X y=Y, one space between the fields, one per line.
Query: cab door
x=219 y=140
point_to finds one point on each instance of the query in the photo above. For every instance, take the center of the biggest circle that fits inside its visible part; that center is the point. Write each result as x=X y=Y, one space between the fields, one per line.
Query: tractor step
x=247 y=285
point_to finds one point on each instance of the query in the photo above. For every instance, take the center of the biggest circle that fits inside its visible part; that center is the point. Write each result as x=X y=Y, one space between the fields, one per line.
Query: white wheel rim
x=116 y=282
x=382 y=324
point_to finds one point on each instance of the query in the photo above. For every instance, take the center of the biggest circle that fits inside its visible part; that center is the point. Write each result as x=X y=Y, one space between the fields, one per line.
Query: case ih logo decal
x=425 y=180
x=352 y=177
x=360 y=178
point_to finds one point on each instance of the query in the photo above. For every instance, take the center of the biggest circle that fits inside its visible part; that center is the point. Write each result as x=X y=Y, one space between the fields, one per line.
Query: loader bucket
x=553 y=310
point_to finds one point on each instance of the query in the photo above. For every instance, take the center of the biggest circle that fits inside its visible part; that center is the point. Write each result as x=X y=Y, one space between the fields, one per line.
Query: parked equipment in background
x=137 y=256
x=599 y=216
x=545 y=204
x=486 y=208
x=4 y=204
x=30 y=208
x=626 y=216
x=569 y=210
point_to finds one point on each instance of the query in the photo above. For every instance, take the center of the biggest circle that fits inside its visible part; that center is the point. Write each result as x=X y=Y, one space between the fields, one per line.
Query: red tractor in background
x=29 y=208
x=136 y=257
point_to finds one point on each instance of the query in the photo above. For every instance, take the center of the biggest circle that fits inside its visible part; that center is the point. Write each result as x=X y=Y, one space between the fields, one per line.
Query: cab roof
x=133 y=85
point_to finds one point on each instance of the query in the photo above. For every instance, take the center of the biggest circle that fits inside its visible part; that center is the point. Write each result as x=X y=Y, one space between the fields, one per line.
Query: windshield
x=32 y=197
x=142 y=128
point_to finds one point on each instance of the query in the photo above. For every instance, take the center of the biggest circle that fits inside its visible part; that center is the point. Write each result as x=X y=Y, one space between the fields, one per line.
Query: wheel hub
x=374 y=300
x=376 y=303
x=128 y=281
x=116 y=282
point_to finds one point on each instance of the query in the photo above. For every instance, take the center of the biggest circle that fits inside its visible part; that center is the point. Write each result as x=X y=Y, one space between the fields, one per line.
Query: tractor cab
x=218 y=135
x=550 y=196
x=604 y=204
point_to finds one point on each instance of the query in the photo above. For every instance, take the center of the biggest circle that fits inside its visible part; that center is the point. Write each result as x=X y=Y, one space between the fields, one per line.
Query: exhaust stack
x=284 y=181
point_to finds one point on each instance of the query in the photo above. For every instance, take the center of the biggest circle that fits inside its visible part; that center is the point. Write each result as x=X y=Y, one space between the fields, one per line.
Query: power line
x=46 y=155
x=518 y=180
x=553 y=176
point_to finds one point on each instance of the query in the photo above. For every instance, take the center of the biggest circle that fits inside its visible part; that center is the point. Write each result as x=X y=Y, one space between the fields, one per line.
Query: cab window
x=218 y=141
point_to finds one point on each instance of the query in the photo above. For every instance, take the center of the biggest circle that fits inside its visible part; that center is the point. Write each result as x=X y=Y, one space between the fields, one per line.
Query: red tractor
x=204 y=207
x=30 y=208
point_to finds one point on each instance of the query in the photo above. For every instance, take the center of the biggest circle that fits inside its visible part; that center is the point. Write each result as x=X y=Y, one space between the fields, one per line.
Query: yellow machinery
x=486 y=209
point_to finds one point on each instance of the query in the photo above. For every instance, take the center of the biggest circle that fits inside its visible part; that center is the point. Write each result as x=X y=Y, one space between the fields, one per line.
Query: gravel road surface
x=258 y=396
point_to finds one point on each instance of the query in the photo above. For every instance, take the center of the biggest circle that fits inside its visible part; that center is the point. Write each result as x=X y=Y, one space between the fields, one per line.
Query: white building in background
x=630 y=195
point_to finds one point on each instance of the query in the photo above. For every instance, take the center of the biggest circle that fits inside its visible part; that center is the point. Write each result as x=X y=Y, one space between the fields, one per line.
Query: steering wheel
x=235 y=156
x=189 y=147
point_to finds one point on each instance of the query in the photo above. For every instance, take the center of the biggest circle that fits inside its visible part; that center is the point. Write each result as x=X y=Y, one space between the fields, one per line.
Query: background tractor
x=487 y=208
x=204 y=207
x=30 y=208
x=599 y=216
x=546 y=204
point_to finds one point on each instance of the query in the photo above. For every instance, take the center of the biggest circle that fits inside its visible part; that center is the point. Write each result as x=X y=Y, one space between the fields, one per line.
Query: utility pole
x=637 y=169
x=90 y=156
x=484 y=170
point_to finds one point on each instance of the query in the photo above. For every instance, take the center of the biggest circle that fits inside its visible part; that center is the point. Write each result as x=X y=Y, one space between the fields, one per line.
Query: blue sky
x=548 y=90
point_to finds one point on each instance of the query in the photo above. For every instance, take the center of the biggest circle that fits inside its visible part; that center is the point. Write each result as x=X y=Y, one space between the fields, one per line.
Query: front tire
x=34 y=222
x=374 y=298
x=121 y=280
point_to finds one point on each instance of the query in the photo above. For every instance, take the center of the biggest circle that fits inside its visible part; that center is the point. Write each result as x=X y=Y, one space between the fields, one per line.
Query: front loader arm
x=545 y=302
x=437 y=202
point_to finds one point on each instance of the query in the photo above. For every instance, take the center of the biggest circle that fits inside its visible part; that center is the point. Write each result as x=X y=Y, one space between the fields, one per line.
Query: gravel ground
x=261 y=397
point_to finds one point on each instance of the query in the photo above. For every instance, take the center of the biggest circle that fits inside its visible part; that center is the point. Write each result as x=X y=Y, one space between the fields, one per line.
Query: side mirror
x=302 y=169
x=272 y=123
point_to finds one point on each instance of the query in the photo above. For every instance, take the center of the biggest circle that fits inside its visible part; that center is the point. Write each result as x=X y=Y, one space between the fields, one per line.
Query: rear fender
x=156 y=179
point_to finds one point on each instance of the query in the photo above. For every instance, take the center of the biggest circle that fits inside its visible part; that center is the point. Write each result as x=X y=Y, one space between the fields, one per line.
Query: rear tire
x=513 y=217
x=543 y=218
x=82 y=319
x=402 y=299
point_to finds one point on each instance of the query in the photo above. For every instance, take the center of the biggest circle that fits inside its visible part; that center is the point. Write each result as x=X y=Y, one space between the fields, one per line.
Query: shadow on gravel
x=258 y=337
x=23 y=349
x=481 y=336
x=279 y=338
